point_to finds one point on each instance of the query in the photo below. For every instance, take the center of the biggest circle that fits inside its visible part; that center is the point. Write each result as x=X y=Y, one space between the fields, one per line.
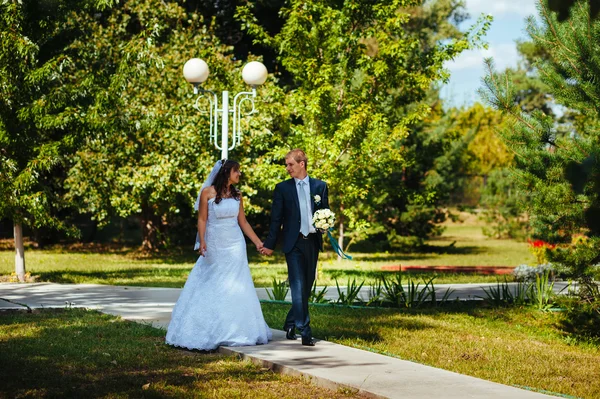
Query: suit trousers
x=302 y=265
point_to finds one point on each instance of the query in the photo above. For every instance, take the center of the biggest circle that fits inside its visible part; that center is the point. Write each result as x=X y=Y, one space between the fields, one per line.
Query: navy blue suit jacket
x=285 y=211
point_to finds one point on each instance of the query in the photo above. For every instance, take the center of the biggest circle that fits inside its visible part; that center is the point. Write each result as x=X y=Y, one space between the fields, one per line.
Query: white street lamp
x=254 y=74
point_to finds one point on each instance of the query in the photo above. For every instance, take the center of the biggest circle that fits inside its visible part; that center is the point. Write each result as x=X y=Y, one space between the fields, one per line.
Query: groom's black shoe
x=308 y=341
x=290 y=333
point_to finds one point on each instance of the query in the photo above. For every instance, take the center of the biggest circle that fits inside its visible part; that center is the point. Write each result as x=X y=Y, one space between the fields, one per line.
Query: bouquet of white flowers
x=323 y=219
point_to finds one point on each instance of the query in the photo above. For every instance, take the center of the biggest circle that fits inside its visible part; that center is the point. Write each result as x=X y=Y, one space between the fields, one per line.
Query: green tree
x=142 y=150
x=361 y=70
x=502 y=203
x=531 y=92
x=500 y=197
x=482 y=178
x=557 y=165
x=563 y=8
x=450 y=155
x=41 y=102
x=148 y=149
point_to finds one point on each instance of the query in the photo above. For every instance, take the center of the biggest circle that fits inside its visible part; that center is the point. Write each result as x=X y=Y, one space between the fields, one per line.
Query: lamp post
x=254 y=74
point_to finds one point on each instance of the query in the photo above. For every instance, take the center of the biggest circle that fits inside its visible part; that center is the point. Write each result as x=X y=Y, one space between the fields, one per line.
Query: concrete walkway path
x=327 y=364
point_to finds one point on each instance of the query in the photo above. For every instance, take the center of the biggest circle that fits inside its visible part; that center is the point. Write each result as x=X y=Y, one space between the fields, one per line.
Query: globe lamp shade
x=254 y=73
x=195 y=71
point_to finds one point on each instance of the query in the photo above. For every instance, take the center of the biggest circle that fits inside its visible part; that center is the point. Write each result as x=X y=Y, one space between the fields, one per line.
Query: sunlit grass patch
x=459 y=246
x=513 y=346
x=79 y=353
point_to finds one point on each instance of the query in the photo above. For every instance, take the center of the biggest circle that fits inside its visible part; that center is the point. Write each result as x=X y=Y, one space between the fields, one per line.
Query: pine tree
x=557 y=165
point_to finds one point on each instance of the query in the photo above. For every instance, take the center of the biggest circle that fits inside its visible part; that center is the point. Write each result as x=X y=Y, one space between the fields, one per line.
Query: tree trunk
x=149 y=230
x=153 y=227
x=341 y=237
x=20 y=252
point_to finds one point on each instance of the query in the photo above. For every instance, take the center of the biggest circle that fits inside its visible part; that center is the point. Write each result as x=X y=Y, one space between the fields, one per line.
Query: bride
x=218 y=304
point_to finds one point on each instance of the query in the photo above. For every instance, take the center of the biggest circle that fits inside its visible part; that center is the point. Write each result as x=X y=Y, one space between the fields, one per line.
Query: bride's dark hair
x=220 y=182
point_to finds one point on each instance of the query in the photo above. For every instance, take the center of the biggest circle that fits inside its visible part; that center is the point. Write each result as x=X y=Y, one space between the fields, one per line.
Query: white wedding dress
x=218 y=305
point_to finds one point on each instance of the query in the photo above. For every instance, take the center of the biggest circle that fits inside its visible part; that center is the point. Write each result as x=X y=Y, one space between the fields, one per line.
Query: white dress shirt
x=311 y=228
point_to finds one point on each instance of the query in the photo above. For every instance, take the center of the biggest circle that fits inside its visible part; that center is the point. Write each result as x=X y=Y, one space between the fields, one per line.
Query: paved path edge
x=287 y=370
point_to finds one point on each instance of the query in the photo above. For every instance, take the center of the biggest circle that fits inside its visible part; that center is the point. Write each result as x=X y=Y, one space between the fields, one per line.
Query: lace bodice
x=223 y=213
x=222 y=228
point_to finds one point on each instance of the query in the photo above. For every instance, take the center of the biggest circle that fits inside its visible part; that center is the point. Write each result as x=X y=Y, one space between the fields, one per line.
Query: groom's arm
x=276 y=218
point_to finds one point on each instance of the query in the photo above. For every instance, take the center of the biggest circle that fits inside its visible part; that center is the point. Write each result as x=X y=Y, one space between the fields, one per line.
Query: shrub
x=582 y=319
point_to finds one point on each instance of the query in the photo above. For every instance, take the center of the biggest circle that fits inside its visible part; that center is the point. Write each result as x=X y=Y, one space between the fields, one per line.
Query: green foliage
x=137 y=157
x=503 y=294
x=41 y=100
x=394 y=292
x=498 y=295
x=563 y=7
x=450 y=155
x=486 y=151
x=577 y=259
x=542 y=291
x=445 y=298
x=582 y=316
x=481 y=175
x=582 y=319
x=318 y=296
x=104 y=106
x=375 y=294
x=436 y=157
x=556 y=164
x=503 y=206
x=539 y=294
x=351 y=294
x=279 y=291
x=360 y=72
x=148 y=151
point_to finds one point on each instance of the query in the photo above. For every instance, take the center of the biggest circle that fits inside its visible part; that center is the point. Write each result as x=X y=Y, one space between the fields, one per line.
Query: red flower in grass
x=538 y=249
x=541 y=244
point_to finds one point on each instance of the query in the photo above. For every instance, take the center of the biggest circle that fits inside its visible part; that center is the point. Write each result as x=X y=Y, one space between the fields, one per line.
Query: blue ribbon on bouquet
x=337 y=248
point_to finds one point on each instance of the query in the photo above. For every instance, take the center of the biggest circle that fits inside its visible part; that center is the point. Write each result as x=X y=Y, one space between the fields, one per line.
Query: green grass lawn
x=459 y=246
x=512 y=346
x=84 y=354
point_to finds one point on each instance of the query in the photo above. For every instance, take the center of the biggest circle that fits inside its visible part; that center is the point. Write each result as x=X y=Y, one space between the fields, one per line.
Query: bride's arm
x=246 y=228
x=202 y=217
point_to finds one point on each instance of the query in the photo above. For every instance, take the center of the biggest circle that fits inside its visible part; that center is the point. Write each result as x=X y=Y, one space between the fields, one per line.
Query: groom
x=294 y=202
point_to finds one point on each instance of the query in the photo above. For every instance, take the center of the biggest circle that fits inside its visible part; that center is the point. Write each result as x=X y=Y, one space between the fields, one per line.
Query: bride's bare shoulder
x=209 y=192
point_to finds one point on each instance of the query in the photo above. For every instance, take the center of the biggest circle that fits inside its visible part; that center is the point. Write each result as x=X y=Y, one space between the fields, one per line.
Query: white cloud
x=504 y=54
x=500 y=8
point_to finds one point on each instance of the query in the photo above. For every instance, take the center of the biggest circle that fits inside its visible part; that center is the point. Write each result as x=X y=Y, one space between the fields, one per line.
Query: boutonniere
x=317 y=199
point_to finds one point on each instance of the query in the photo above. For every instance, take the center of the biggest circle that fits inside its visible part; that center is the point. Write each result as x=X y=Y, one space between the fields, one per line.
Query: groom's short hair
x=298 y=156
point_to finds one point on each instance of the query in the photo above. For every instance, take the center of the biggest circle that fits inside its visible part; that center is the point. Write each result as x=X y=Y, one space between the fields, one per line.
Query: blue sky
x=467 y=69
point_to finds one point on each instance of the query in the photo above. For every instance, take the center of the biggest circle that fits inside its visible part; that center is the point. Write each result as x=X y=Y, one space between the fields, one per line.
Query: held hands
x=259 y=247
x=266 y=251
x=263 y=250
